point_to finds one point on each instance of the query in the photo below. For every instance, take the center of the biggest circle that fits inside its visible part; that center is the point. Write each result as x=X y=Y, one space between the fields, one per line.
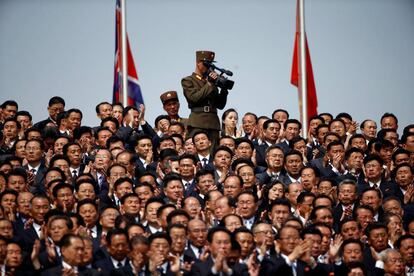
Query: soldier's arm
x=194 y=95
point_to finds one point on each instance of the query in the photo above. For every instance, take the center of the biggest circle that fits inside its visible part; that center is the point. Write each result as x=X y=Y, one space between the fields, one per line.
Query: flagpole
x=124 y=59
x=302 y=59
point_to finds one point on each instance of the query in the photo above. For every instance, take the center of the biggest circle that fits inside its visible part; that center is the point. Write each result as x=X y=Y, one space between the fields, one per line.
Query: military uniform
x=203 y=98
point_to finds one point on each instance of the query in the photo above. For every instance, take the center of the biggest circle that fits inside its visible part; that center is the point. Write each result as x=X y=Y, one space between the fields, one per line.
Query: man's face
x=6 y=229
x=246 y=206
x=407 y=250
x=74 y=120
x=355 y=161
x=222 y=208
x=369 y=130
x=197 y=232
x=201 y=142
x=232 y=186
x=263 y=234
x=404 y=177
x=123 y=189
x=246 y=242
x=174 y=190
x=58 y=145
x=34 y=151
x=14 y=256
x=373 y=170
x=204 y=184
x=220 y=244
x=192 y=206
x=315 y=241
x=23 y=203
x=119 y=248
x=105 y=111
x=386 y=154
x=338 y=128
x=350 y=230
x=409 y=145
x=102 y=160
x=74 y=154
x=313 y=124
x=320 y=135
x=179 y=240
x=187 y=168
x=108 y=217
x=10 y=130
x=402 y=158
x=392 y=137
x=103 y=136
x=272 y=132
x=347 y=194
x=289 y=238
x=335 y=152
x=364 y=217
x=389 y=123
x=40 y=206
x=8 y=201
x=393 y=206
x=16 y=183
x=57 y=229
x=294 y=189
x=89 y=214
x=324 y=215
x=372 y=199
x=280 y=116
x=248 y=123
x=131 y=205
x=292 y=130
x=309 y=179
x=352 y=253
x=143 y=148
x=378 y=239
x=64 y=199
x=172 y=108
x=359 y=143
x=222 y=159
x=244 y=150
x=274 y=159
x=55 y=109
x=9 y=111
x=394 y=264
x=86 y=190
x=228 y=142
x=151 y=212
x=293 y=164
x=144 y=193
x=24 y=122
x=279 y=215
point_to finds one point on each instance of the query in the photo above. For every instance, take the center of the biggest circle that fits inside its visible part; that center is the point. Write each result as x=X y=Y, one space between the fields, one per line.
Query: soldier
x=171 y=105
x=204 y=98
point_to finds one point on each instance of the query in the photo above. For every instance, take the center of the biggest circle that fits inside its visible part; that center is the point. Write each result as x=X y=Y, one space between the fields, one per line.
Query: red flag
x=312 y=99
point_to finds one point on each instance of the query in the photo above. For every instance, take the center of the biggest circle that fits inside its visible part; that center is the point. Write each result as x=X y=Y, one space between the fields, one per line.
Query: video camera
x=221 y=80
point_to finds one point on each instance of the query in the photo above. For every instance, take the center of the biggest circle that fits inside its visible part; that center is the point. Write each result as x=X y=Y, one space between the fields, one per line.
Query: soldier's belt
x=205 y=109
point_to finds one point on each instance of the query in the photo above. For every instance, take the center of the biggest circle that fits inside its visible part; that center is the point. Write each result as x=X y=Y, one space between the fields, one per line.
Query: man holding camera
x=204 y=98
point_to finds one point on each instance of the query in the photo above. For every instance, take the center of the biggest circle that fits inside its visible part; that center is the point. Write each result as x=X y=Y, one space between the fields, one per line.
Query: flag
x=310 y=82
x=134 y=90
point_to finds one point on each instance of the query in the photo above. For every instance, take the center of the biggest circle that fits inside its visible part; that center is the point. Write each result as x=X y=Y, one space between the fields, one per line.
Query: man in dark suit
x=117 y=249
x=274 y=160
x=271 y=129
x=289 y=262
x=219 y=239
x=204 y=98
x=373 y=172
x=292 y=129
x=35 y=164
x=72 y=250
x=347 y=196
x=187 y=170
x=56 y=105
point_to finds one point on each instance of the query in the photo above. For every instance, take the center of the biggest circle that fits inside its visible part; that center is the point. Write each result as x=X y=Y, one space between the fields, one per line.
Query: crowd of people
x=130 y=198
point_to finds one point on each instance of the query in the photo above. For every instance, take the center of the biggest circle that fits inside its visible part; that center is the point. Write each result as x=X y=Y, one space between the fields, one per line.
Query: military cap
x=205 y=56
x=168 y=96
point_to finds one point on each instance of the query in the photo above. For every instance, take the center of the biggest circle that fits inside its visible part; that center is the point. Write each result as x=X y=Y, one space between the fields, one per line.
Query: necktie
x=294 y=267
x=33 y=171
x=74 y=174
x=200 y=251
x=375 y=186
x=348 y=210
x=204 y=161
x=119 y=264
x=100 y=180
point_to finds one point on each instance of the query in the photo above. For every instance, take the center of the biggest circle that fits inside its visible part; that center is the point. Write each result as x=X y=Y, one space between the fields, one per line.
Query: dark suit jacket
x=285 y=146
x=337 y=214
x=324 y=171
x=39 y=181
x=261 y=154
x=278 y=266
x=200 y=268
x=387 y=188
x=106 y=266
x=57 y=270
